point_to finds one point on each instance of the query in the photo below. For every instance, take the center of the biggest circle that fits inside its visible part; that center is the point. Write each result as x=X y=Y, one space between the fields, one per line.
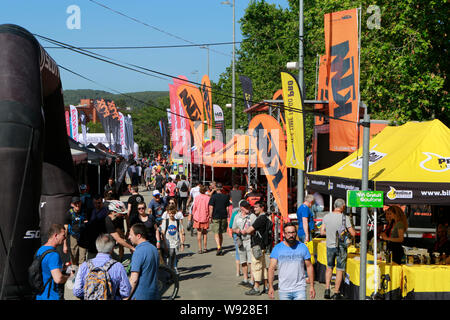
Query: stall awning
x=410 y=163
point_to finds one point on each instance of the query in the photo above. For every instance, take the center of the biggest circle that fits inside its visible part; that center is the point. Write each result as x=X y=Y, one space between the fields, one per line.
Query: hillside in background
x=72 y=97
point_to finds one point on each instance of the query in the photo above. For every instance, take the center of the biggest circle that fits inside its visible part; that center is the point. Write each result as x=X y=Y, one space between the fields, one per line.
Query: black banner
x=247 y=90
x=415 y=192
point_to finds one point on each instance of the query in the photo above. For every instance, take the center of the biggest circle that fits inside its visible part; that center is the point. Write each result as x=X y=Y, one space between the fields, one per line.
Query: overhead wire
x=121 y=93
x=150 y=26
x=133 y=68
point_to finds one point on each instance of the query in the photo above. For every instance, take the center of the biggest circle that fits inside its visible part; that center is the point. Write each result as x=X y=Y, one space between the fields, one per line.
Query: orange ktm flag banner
x=322 y=88
x=341 y=50
x=207 y=103
x=272 y=154
x=191 y=100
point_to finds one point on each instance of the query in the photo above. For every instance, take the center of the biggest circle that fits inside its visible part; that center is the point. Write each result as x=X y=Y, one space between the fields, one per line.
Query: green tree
x=145 y=125
x=404 y=63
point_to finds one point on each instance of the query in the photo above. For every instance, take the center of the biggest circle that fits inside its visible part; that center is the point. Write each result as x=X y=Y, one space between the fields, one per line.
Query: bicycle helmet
x=117 y=206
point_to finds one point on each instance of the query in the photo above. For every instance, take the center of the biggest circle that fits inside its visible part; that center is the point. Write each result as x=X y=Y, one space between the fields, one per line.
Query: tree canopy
x=404 y=62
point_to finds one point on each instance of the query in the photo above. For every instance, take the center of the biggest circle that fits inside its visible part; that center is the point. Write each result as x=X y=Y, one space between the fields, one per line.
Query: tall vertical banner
x=293 y=113
x=122 y=133
x=182 y=125
x=175 y=120
x=115 y=125
x=341 y=50
x=219 y=121
x=247 y=90
x=207 y=101
x=67 y=114
x=272 y=154
x=103 y=113
x=322 y=88
x=191 y=100
x=129 y=137
x=74 y=122
x=83 y=121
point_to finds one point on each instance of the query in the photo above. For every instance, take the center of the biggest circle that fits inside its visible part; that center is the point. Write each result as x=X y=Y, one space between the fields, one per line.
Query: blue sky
x=197 y=21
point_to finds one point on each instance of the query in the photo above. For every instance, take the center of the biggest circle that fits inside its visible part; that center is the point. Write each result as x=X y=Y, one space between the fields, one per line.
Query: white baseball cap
x=156 y=193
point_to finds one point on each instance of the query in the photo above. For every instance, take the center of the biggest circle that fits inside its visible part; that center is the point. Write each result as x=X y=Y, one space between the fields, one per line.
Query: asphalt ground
x=208 y=276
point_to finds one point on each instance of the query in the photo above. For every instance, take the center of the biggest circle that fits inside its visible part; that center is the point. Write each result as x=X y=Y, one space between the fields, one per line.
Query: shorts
x=201 y=225
x=245 y=253
x=219 y=225
x=338 y=254
x=259 y=268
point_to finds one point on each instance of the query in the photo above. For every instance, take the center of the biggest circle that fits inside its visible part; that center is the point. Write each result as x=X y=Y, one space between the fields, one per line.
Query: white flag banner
x=122 y=132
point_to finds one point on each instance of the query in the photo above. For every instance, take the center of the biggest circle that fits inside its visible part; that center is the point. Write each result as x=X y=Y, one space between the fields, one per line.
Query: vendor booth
x=411 y=165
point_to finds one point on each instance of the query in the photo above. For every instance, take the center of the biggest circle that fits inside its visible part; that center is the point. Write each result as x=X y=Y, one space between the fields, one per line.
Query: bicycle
x=168 y=280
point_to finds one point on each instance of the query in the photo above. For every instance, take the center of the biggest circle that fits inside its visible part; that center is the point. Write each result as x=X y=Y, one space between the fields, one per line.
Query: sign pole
x=364 y=187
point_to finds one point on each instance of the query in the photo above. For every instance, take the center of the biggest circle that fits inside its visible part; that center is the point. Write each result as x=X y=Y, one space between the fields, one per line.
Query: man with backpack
x=170 y=189
x=76 y=222
x=261 y=242
x=172 y=232
x=46 y=274
x=102 y=278
x=183 y=192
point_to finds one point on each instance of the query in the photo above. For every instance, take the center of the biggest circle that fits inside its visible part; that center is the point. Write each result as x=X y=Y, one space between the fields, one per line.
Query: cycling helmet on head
x=117 y=206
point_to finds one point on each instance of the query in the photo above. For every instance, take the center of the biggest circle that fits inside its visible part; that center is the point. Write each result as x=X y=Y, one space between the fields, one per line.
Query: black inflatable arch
x=36 y=169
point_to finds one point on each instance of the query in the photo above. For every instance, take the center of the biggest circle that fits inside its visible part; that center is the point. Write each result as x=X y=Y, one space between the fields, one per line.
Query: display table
x=389 y=278
x=321 y=264
x=426 y=282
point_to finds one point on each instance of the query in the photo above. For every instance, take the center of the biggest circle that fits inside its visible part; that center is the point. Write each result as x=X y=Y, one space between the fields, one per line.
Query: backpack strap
x=50 y=280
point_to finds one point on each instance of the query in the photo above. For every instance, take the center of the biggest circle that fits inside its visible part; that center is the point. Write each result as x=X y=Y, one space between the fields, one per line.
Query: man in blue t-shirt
x=305 y=219
x=291 y=257
x=144 y=266
x=52 y=266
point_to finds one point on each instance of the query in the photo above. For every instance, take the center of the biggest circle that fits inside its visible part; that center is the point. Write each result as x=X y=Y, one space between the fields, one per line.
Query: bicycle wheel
x=168 y=283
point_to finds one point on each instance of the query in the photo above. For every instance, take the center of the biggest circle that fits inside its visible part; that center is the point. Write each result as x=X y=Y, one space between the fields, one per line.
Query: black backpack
x=184 y=187
x=266 y=238
x=35 y=278
x=268 y=235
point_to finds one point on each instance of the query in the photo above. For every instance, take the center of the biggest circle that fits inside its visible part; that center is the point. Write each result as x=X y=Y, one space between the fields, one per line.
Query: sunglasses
x=141 y=208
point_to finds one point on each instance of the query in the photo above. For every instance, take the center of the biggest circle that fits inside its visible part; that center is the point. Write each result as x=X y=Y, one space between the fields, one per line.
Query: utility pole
x=300 y=176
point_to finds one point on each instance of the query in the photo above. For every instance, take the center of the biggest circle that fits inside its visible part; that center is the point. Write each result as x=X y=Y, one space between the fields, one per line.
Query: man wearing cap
x=157 y=206
x=75 y=226
x=133 y=201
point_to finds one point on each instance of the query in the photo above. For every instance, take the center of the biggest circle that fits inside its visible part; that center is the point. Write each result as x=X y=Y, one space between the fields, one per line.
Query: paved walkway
x=207 y=276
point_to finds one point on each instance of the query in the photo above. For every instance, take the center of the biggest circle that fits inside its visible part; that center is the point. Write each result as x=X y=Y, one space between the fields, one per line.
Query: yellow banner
x=293 y=112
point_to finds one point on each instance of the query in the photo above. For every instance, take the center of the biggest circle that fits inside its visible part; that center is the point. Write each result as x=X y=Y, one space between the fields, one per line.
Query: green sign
x=365 y=199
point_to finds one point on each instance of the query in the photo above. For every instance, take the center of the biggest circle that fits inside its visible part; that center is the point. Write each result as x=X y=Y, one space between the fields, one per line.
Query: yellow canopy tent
x=410 y=163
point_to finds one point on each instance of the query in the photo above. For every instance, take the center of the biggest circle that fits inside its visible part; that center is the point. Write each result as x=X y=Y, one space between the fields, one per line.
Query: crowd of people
x=155 y=234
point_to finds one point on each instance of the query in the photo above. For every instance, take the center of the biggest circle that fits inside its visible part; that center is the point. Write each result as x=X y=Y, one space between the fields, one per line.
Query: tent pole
x=98 y=169
x=375 y=244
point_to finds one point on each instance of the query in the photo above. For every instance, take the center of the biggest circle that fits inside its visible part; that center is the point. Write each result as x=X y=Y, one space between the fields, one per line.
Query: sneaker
x=243 y=283
x=249 y=285
x=338 y=296
x=253 y=292
x=219 y=252
x=327 y=295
